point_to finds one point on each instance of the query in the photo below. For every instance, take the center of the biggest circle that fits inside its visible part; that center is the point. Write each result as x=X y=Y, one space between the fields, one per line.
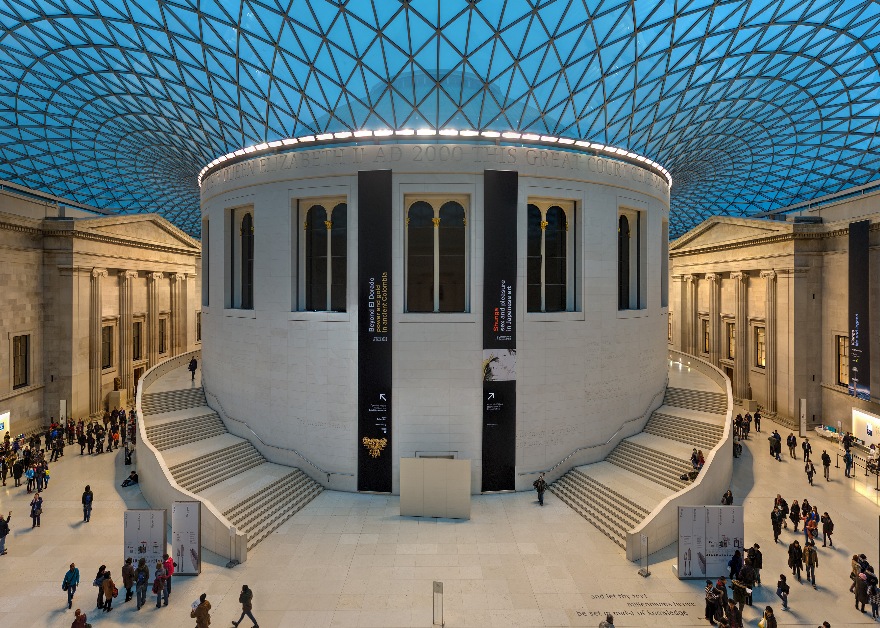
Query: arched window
x=436 y=255
x=247 y=262
x=325 y=261
x=623 y=245
x=549 y=259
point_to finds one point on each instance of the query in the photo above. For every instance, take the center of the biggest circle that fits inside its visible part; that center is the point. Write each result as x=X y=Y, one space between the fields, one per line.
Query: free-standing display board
x=186 y=537
x=144 y=535
x=708 y=536
x=435 y=487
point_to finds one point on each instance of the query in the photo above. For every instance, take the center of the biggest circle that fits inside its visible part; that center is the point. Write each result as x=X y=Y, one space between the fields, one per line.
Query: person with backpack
x=169 y=571
x=159 y=585
x=87 y=499
x=540 y=485
x=4 y=532
x=246 y=598
x=127 y=578
x=141 y=580
x=69 y=584
x=827 y=529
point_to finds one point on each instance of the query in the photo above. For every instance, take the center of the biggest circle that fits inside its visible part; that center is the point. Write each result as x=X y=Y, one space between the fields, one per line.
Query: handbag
x=115 y=592
x=762 y=623
x=65 y=586
x=38 y=512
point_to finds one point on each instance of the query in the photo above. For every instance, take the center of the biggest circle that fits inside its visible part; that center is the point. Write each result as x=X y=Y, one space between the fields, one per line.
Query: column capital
x=740 y=276
x=688 y=278
x=128 y=274
x=768 y=274
x=155 y=276
x=713 y=277
x=99 y=272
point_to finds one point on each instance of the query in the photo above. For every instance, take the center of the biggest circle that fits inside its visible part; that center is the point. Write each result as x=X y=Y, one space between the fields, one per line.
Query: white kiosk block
x=435 y=487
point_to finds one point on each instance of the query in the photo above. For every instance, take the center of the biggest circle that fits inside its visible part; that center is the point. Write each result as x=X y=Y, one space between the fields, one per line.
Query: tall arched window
x=549 y=260
x=436 y=255
x=623 y=244
x=247 y=261
x=325 y=261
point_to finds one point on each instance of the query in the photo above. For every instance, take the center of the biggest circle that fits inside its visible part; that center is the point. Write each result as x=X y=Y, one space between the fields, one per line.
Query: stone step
x=270 y=502
x=207 y=470
x=703 y=400
x=182 y=432
x=652 y=464
x=695 y=433
x=244 y=506
x=171 y=400
x=619 y=518
x=615 y=535
x=269 y=525
x=613 y=495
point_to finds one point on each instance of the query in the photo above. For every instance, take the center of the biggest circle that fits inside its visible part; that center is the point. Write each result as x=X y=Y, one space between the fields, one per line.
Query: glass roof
x=751 y=105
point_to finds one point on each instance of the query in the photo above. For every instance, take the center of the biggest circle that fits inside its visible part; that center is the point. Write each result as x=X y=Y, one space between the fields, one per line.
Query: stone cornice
x=20 y=228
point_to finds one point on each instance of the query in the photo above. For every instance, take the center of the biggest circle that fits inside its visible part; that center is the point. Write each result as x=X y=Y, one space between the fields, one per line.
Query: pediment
x=715 y=233
x=149 y=230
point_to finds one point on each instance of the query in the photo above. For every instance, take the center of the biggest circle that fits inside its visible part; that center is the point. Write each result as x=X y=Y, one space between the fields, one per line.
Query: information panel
x=859 y=293
x=186 y=537
x=374 y=331
x=708 y=536
x=144 y=536
x=499 y=330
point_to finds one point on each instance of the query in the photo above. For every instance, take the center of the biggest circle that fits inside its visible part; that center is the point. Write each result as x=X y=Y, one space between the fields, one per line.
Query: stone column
x=126 y=312
x=770 y=341
x=690 y=340
x=714 y=318
x=176 y=282
x=153 y=318
x=741 y=361
x=95 y=309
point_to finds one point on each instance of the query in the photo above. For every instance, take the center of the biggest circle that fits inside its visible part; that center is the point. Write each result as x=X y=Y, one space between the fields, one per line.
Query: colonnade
x=125 y=366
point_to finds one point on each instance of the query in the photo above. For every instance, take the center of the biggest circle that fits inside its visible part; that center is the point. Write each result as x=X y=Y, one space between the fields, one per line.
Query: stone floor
x=350 y=560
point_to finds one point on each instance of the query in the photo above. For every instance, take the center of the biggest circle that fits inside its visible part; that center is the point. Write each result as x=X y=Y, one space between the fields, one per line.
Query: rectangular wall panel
x=859 y=338
x=499 y=330
x=374 y=331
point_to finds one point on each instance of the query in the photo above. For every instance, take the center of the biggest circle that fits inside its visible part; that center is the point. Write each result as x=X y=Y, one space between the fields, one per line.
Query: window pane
x=136 y=341
x=555 y=260
x=106 y=347
x=453 y=267
x=420 y=258
x=20 y=359
x=247 y=262
x=623 y=244
x=162 y=322
x=533 y=259
x=316 y=259
x=339 y=241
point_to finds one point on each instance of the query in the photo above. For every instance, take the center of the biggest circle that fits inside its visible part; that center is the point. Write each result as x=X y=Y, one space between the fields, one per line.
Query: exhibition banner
x=499 y=329
x=186 y=537
x=859 y=283
x=144 y=535
x=374 y=331
x=708 y=536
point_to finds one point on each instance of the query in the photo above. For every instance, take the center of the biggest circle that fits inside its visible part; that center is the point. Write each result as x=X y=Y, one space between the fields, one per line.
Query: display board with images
x=708 y=536
x=186 y=537
x=144 y=535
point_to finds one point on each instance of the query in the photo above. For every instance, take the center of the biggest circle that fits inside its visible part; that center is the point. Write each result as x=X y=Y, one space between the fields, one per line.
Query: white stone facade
x=67 y=274
x=292 y=375
x=790 y=279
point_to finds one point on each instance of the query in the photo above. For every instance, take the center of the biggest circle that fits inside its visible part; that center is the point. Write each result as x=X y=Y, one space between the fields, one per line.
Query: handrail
x=294 y=451
x=610 y=438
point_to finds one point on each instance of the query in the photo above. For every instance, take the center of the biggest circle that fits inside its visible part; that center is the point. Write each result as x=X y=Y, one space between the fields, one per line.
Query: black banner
x=499 y=330
x=859 y=337
x=374 y=331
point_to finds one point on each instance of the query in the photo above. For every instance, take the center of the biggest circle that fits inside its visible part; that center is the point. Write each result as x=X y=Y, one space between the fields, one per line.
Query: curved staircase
x=617 y=494
x=255 y=495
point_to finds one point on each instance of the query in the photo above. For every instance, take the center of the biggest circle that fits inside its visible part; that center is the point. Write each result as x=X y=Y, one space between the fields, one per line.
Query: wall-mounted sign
x=186 y=537
x=5 y=418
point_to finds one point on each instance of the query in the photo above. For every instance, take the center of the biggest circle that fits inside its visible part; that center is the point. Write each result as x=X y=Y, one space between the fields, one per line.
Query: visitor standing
x=769 y=618
x=811 y=560
x=36 y=510
x=4 y=532
x=776 y=520
x=609 y=621
x=201 y=612
x=827 y=529
x=87 y=499
x=782 y=590
x=807 y=448
x=79 y=620
x=110 y=591
x=98 y=581
x=128 y=578
x=795 y=514
x=791 y=441
x=757 y=420
x=795 y=558
x=756 y=560
x=193 y=365
x=169 y=571
x=141 y=579
x=711 y=602
x=246 y=599
x=727 y=498
x=848 y=463
x=70 y=583
x=540 y=486
x=159 y=584
x=862 y=590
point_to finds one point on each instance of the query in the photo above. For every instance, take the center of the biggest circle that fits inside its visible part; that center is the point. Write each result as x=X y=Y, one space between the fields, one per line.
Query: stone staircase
x=617 y=494
x=256 y=496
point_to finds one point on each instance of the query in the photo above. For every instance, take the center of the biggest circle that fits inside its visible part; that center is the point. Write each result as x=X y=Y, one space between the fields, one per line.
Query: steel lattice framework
x=751 y=105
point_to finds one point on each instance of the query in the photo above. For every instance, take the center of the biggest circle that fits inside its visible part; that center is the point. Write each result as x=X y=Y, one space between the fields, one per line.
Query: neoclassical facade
x=90 y=302
x=504 y=304
x=767 y=301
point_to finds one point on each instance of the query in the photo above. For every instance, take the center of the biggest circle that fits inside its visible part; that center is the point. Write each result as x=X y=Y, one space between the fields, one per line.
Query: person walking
x=735 y=564
x=848 y=463
x=246 y=599
x=791 y=441
x=807 y=448
x=159 y=584
x=734 y=615
x=141 y=579
x=776 y=520
x=782 y=590
x=826 y=463
x=70 y=583
x=4 y=532
x=540 y=485
x=795 y=558
x=810 y=470
x=201 y=612
x=193 y=365
x=795 y=514
x=757 y=420
x=827 y=529
x=727 y=498
x=87 y=499
x=811 y=560
x=79 y=619
x=36 y=510
x=127 y=578
x=98 y=581
x=110 y=591
x=769 y=618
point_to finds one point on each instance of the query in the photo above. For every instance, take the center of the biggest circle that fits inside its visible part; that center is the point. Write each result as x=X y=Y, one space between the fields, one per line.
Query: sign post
x=438 y=597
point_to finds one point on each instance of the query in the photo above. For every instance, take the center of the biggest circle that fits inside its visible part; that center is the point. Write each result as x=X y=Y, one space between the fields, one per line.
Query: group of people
x=742 y=425
x=116 y=428
x=865 y=585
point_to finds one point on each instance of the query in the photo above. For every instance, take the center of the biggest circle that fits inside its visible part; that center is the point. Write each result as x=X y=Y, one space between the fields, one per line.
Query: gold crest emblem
x=375 y=445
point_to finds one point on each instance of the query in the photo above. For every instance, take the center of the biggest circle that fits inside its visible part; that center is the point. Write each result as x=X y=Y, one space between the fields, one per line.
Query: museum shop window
x=436 y=254
x=324 y=261
x=550 y=256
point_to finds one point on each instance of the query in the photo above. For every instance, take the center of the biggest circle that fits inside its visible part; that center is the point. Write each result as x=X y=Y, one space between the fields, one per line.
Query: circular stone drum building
x=492 y=297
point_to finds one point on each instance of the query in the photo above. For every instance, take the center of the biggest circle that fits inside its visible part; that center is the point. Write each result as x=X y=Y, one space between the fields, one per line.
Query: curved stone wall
x=294 y=375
